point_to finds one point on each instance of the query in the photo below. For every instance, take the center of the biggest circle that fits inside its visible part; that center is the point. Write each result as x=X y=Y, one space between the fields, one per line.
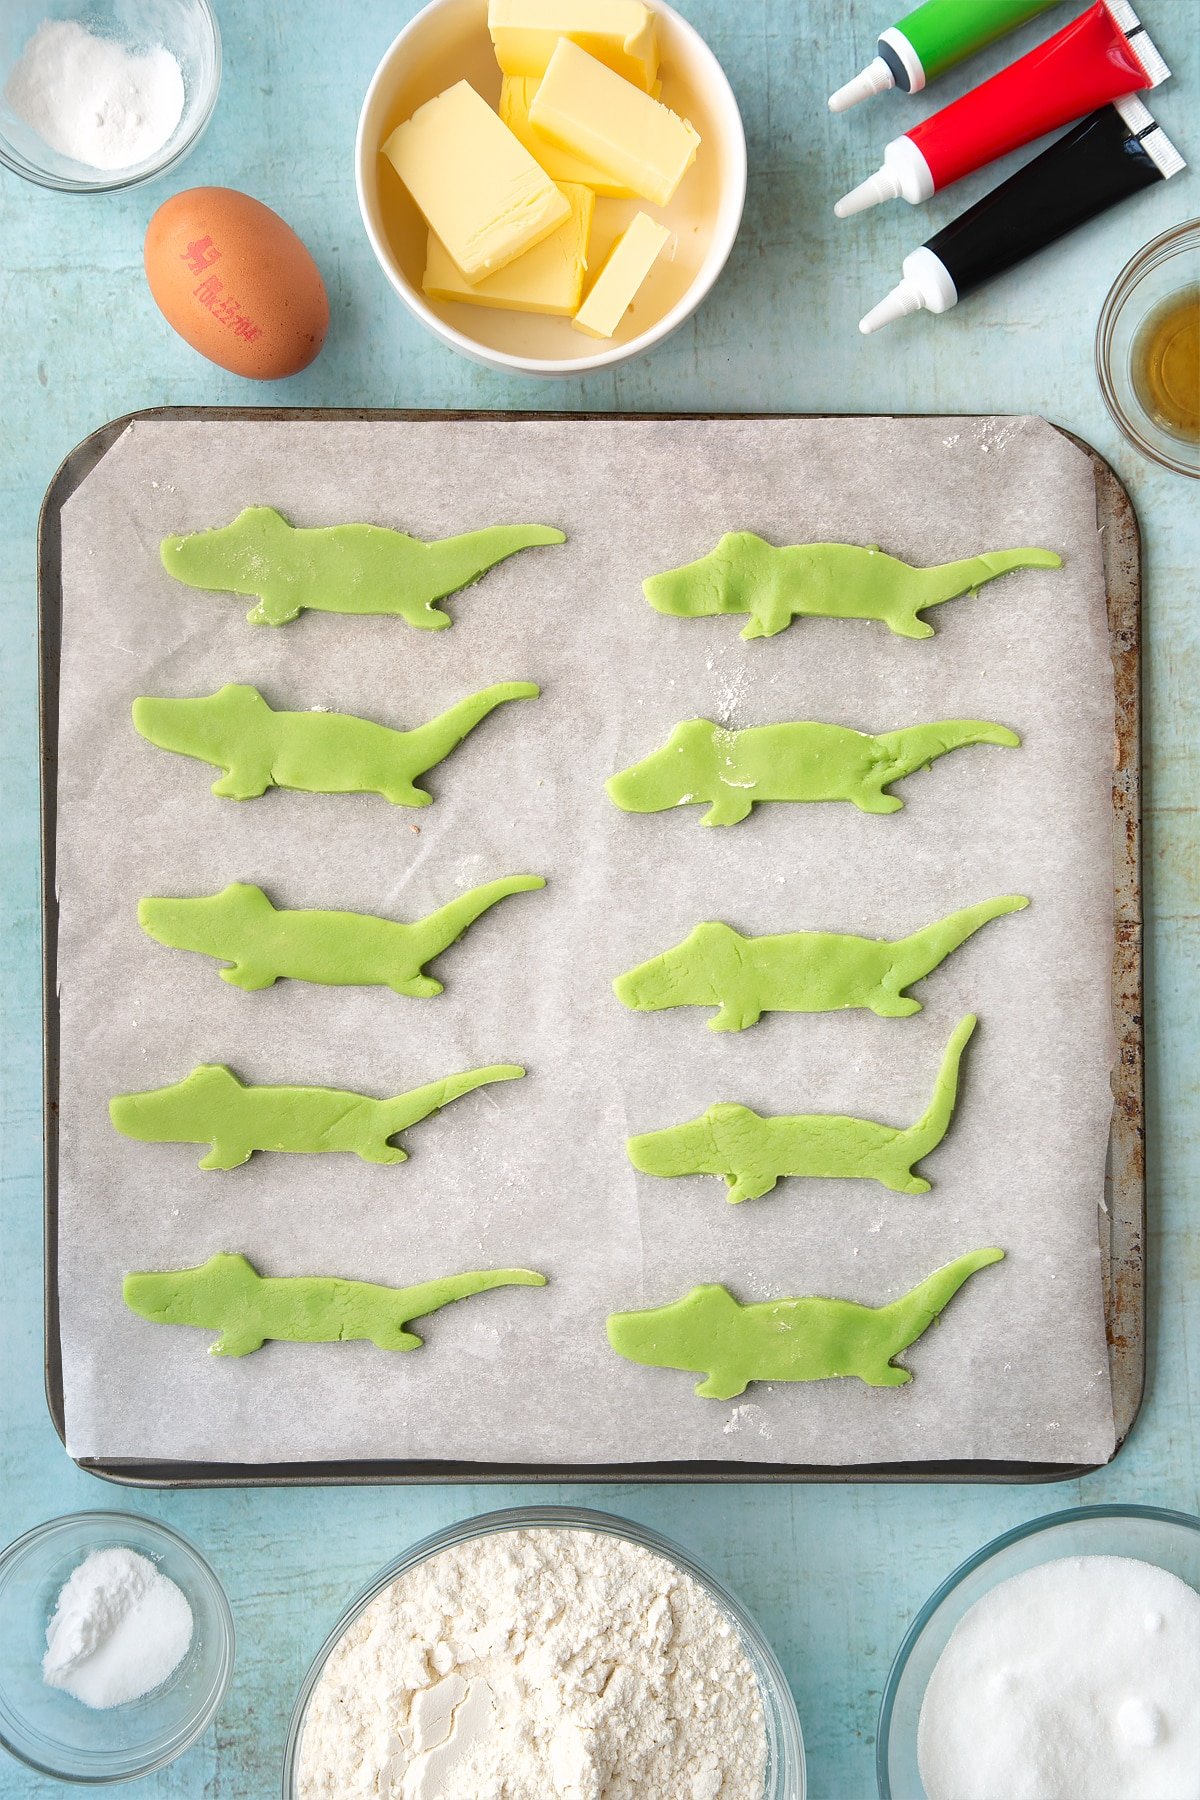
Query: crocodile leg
x=250 y=977
x=728 y=808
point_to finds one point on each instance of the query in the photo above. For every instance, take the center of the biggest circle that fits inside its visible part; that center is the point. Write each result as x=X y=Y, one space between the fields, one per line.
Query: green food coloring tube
x=931 y=40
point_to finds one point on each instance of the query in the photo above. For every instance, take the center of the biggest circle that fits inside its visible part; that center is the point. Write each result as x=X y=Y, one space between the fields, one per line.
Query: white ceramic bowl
x=448 y=41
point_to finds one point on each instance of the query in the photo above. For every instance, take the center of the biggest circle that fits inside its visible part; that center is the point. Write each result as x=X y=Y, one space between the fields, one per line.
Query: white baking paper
x=534 y=1173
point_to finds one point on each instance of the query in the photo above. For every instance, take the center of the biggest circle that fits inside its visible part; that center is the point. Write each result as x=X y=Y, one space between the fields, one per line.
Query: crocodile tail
x=438 y=930
x=430 y=742
x=946 y=581
x=464 y=559
x=915 y=955
x=915 y=1311
x=428 y=1296
x=409 y=1109
x=917 y=746
x=929 y=1130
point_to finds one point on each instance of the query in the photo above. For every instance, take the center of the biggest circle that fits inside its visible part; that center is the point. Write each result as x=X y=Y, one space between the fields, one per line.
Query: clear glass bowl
x=1170 y=1539
x=1162 y=268
x=187 y=28
x=785 y=1746
x=56 y=1734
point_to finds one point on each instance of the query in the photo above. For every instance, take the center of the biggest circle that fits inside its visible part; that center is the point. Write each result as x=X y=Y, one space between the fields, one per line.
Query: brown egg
x=236 y=283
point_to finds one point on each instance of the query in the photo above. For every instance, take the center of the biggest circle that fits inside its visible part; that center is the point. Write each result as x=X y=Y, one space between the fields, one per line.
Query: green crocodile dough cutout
x=808 y=1339
x=775 y=585
x=227 y=1294
x=312 y=752
x=799 y=971
x=337 y=949
x=341 y=568
x=733 y=771
x=753 y=1152
x=211 y=1106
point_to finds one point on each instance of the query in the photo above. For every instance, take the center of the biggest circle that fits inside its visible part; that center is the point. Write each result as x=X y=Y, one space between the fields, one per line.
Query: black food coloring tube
x=1108 y=157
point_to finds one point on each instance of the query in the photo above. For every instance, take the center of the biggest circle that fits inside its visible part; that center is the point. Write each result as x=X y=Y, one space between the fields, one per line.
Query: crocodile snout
x=149 y=1295
x=683 y=593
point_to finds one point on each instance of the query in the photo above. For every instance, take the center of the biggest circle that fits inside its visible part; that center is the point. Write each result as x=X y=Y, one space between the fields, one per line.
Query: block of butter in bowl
x=576 y=163
x=585 y=109
x=625 y=269
x=548 y=279
x=477 y=185
x=619 y=33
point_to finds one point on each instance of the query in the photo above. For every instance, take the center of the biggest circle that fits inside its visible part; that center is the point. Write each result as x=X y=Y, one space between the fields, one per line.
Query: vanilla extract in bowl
x=1165 y=363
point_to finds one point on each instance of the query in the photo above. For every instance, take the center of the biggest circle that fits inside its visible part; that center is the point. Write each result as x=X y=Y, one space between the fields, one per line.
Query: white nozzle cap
x=883 y=185
x=927 y=284
x=905 y=175
x=903 y=299
x=876 y=78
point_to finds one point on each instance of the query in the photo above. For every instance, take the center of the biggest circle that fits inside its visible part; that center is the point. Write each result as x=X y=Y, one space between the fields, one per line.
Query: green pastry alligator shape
x=753 y=1152
x=314 y=752
x=211 y=1106
x=745 y=574
x=799 y=971
x=341 y=568
x=338 y=949
x=732 y=771
x=807 y=1339
x=227 y=1294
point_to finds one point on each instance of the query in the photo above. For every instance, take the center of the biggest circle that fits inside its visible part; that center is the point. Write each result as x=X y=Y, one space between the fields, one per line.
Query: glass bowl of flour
x=1062 y=1659
x=103 y=1681
x=104 y=94
x=538 y=1652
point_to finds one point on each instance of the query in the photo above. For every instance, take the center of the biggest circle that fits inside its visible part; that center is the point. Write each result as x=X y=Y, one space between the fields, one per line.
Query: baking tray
x=1122 y=1224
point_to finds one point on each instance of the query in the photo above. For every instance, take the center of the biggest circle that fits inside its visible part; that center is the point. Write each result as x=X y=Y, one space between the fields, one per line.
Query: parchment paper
x=535 y=1172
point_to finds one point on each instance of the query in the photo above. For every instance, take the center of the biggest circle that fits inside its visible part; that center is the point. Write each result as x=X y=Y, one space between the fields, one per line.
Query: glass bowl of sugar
x=104 y=95
x=1071 y=1644
x=104 y=1603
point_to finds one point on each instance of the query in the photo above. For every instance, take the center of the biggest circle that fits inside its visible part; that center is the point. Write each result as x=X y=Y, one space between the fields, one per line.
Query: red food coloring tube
x=1101 y=56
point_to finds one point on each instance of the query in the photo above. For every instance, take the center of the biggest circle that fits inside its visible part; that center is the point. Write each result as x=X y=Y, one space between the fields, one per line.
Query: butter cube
x=516 y=94
x=478 y=187
x=583 y=107
x=611 y=294
x=619 y=33
x=547 y=279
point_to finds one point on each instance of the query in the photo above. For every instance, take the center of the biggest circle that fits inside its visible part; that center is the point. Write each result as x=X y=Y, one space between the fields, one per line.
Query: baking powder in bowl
x=545 y=1664
x=119 y=1628
x=93 y=99
x=1076 y=1680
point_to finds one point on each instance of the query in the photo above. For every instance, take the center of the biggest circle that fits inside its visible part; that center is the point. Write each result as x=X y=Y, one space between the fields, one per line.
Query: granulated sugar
x=1077 y=1680
x=537 y=1665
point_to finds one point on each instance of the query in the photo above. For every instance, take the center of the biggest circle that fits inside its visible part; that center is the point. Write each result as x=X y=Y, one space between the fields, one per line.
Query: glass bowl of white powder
x=545 y=1651
x=104 y=94
x=1063 y=1659
x=129 y=1632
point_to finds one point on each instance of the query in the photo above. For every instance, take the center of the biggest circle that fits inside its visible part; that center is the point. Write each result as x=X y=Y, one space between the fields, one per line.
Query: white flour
x=1076 y=1680
x=92 y=99
x=548 y=1664
x=119 y=1628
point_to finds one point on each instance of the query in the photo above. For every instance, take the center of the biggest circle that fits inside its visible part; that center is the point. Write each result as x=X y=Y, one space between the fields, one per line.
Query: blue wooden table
x=834 y=1573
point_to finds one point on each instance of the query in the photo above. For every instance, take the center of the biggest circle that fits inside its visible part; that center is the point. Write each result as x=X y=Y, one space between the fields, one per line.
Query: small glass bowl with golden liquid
x=1148 y=349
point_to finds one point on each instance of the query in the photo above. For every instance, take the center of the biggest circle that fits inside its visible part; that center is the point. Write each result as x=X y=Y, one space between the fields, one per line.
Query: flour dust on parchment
x=537 y=1665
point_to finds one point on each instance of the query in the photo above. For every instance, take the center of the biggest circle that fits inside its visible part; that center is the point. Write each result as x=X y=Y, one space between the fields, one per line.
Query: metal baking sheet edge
x=1122 y=1224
